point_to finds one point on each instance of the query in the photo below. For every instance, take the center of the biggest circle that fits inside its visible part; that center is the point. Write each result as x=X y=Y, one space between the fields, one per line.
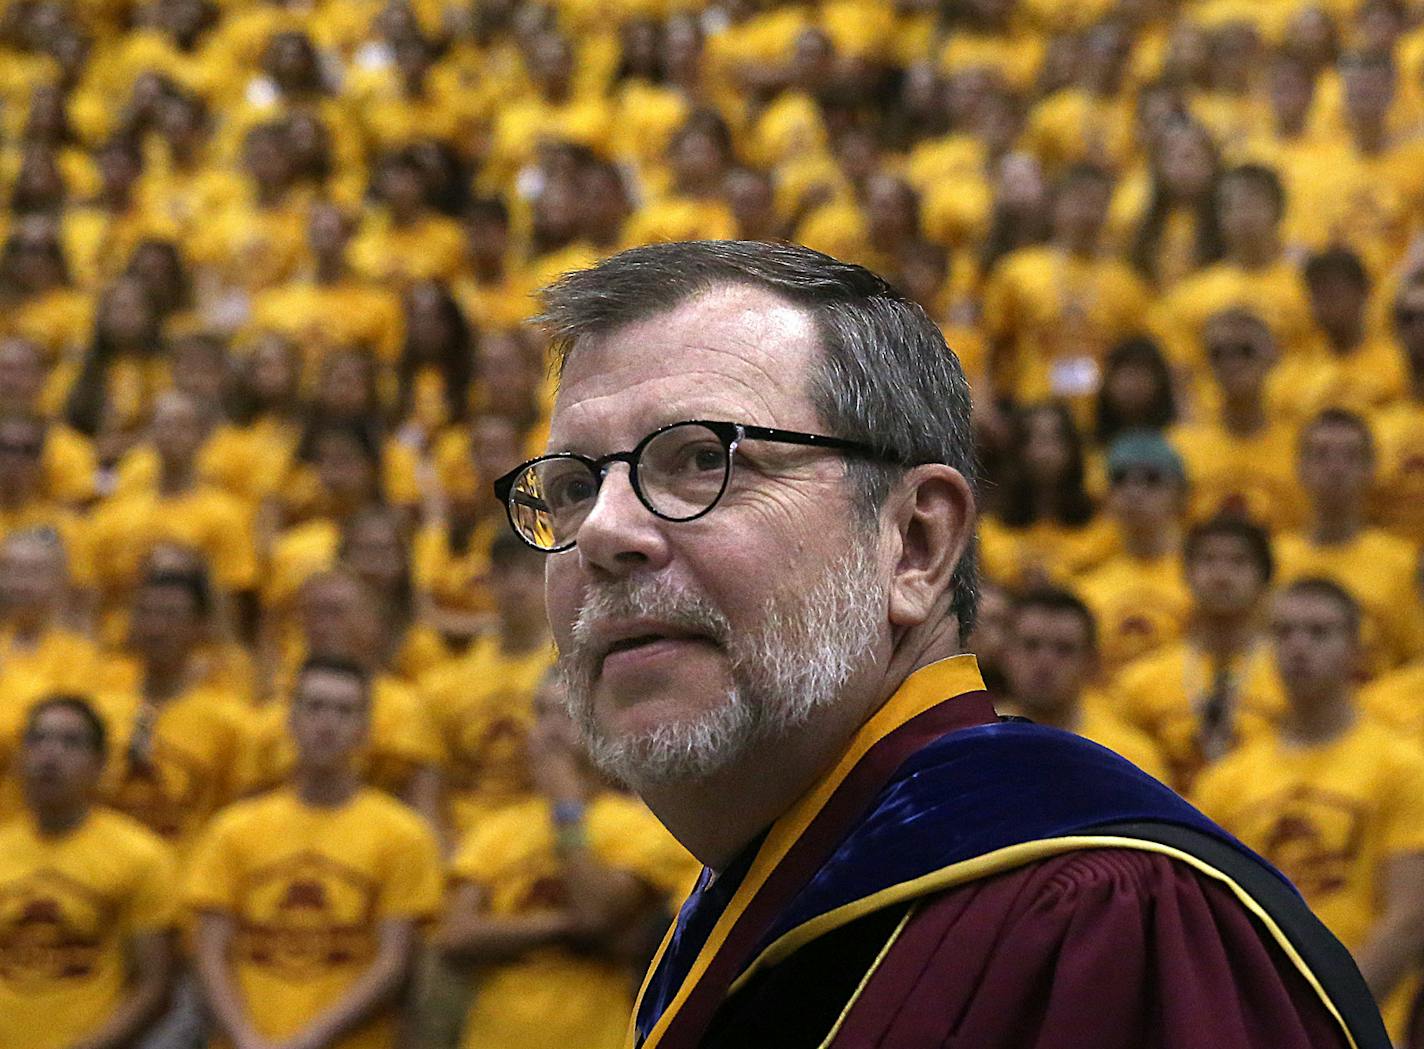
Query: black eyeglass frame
x=731 y=435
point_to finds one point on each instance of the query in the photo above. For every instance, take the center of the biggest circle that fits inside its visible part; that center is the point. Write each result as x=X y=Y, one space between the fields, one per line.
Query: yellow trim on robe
x=927 y=687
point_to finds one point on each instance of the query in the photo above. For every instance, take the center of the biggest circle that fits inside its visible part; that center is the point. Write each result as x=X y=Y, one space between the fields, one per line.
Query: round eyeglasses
x=679 y=472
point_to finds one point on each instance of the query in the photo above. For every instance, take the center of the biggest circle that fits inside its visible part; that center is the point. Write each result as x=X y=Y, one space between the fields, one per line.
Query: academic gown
x=959 y=881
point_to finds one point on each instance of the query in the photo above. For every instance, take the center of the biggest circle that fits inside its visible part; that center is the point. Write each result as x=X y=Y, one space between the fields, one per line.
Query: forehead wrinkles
x=740 y=347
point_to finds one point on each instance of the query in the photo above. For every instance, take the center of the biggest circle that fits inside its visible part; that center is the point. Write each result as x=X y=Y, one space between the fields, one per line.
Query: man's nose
x=620 y=534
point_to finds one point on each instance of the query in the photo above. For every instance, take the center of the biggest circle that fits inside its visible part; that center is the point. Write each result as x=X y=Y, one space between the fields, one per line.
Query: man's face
x=1224 y=576
x=330 y=718
x=1335 y=464
x=177 y=430
x=1246 y=212
x=58 y=759
x=1049 y=659
x=165 y=623
x=1316 y=651
x=21 y=376
x=684 y=642
x=1145 y=496
x=1240 y=353
x=337 y=619
x=21 y=449
x=32 y=580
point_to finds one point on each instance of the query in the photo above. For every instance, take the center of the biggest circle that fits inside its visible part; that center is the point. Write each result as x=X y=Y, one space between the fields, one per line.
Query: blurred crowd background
x=265 y=269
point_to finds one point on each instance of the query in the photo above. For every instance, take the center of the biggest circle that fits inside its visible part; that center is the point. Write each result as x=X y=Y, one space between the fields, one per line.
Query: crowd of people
x=264 y=285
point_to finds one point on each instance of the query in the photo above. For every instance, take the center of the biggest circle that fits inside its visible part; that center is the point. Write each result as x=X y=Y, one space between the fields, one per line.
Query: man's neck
x=60 y=820
x=1336 y=525
x=27 y=631
x=176 y=478
x=1258 y=255
x=1223 y=637
x=1244 y=418
x=325 y=788
x=1149 y=544
x=1416 y=382
x=163 y=680
x=1321 y=719
x=1370 y=138
x=1346 y=340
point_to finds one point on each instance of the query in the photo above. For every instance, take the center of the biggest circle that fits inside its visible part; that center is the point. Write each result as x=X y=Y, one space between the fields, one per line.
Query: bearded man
x=759 y=509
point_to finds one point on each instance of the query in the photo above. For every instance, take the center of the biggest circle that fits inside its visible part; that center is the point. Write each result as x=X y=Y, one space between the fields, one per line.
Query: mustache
x=646 y=598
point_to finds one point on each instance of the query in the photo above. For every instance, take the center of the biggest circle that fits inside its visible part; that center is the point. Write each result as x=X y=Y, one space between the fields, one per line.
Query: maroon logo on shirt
x=1313 y=836
x=307 y=914
x=52 y=930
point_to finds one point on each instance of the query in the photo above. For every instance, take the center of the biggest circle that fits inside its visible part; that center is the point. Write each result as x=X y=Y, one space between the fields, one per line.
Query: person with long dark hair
x=1137 y=391
x=1046 y=522
x=1177 y=234
x=436 y=363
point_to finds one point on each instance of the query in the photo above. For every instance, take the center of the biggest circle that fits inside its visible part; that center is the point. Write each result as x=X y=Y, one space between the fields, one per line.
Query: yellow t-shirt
x=482 y=706
x=194 y=764
x=401 y=740
x=322 y=318
x=1379 y=570
x=1162 y=696
x=1074 y=126
x=1397 y=699
x=1371 y=376
x=70 y=907
x=1140 y=606
x=454 y=579
x=1329 y=816
x=1254 y=476
x=432 y=247
x=556 y=998
x=1013 y=556
x=1275 y=292
x=1399 y=489
x=126 y=527
x=69 y=465
x=1097 y=722
x=1059 y=316
x=309 y=888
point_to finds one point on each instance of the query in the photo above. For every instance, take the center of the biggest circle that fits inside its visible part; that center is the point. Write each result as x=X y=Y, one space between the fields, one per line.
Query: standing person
x=1051 y=659
x=760 y=522
x=553 y=899
x=86 y=930
x=1336 y=800
x=309 y=898
x=1217 y=687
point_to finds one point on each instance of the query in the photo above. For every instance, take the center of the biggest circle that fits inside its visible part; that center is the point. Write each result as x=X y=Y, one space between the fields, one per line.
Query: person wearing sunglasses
x=1240 y=457
x=758 y=512
x=1139 y=597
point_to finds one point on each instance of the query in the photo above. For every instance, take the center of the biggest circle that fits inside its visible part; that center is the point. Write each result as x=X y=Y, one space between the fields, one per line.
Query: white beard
x=797 y=661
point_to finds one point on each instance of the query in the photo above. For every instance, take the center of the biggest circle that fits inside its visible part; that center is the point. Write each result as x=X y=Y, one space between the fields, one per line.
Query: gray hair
x=885 y=378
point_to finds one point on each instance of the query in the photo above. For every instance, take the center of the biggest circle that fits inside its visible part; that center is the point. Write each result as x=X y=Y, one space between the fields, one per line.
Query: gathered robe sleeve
x=1110 y=948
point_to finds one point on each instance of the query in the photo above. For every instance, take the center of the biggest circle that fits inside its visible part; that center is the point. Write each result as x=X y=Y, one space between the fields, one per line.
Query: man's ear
x=931 y=518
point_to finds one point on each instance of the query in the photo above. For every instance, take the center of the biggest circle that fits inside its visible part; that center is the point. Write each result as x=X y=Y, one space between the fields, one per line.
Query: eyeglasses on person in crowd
x=679 y=472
